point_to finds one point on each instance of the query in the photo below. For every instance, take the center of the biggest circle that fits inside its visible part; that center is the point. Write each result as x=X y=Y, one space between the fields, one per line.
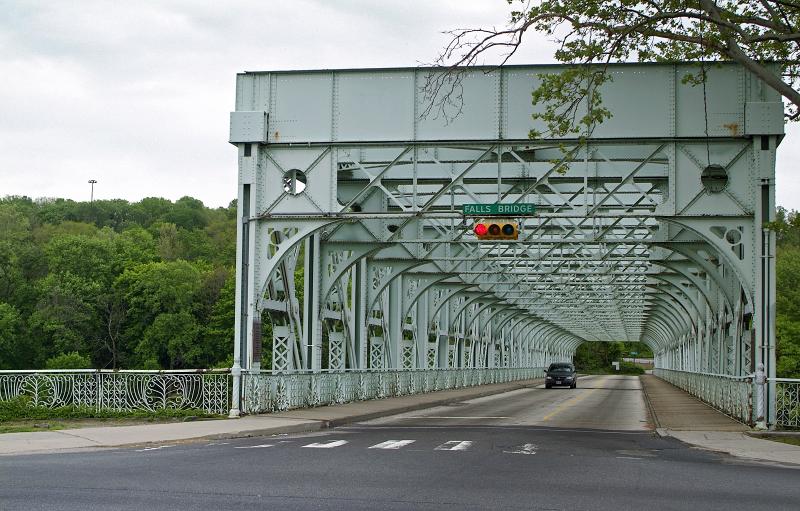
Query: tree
x=788 y=312
x=72 y=360
x=14 y=236
x=169 y=245
x=80 y=277
x=172 y=341
x=150 y=290
x=218 y=335
x=9 y=334
x=751 y=33
x=65 y=318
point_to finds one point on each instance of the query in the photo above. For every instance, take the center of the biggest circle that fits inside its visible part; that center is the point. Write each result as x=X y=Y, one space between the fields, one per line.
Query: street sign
x=498 y=209
x=633 y=353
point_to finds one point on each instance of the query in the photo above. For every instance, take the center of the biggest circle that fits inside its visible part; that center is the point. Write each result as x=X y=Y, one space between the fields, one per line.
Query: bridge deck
x=672 y=408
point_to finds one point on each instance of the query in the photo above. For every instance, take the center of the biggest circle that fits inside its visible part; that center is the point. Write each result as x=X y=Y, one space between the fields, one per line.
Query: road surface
x=534 y=449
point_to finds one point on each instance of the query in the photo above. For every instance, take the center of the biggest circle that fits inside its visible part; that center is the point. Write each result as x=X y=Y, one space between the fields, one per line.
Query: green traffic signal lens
x=508 y=229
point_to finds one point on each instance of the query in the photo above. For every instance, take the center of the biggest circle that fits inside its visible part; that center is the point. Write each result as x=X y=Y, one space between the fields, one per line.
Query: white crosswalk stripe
x=523 y=449
x=327 y=445
x=154 y=448
x=455 y=445
x=392 y=444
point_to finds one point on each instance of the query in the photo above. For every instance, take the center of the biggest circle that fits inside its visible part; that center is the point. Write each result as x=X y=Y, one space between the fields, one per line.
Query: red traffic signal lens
x=494 y=229
x=480 y=229
x=508 y=229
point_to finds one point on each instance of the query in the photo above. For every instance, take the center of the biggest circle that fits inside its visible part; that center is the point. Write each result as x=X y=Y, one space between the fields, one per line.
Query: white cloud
x=137 y=94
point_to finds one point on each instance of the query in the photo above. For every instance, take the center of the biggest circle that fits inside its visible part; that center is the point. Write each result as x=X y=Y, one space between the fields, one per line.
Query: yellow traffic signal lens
x=494 y=230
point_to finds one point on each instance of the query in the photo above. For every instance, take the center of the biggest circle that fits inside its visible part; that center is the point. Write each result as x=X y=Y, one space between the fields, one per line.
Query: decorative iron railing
x=732 y=395
x=121 y=390
x=787 y=402
x=266 y=392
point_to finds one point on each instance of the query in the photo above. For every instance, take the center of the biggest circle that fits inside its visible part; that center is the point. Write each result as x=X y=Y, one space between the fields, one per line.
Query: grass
x=793 y=440
x=17 y=415
x=28 y=428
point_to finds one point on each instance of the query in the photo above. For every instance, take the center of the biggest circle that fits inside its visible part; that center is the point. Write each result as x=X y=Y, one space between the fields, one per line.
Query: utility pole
x=91 y=197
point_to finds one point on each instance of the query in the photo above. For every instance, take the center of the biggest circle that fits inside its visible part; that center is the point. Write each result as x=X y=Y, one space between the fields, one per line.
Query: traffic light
x=496 y=229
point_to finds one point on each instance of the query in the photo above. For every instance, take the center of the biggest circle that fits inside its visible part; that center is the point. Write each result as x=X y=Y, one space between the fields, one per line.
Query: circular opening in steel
x=714 y=178
x=294 y=182
x=733 y=237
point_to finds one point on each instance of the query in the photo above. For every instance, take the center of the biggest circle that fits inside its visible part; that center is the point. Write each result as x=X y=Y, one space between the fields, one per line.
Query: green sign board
x=499 y=209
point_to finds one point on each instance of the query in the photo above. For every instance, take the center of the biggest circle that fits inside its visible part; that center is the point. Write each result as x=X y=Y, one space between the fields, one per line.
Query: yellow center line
x=569 y=402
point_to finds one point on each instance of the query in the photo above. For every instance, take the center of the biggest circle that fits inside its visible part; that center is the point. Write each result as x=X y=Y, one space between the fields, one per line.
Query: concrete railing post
x=760 y=381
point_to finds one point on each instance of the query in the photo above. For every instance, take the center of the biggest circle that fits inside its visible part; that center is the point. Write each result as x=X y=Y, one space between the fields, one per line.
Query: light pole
x=91 y=197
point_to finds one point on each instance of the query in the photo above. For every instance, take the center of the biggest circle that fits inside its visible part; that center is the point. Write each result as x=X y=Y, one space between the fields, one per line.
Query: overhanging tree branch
x=751 y=33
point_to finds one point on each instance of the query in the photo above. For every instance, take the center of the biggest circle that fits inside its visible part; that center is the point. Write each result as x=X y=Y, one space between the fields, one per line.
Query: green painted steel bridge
x=359 y=275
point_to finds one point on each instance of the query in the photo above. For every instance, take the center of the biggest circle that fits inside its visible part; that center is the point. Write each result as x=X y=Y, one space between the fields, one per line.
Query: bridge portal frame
x=639 y=235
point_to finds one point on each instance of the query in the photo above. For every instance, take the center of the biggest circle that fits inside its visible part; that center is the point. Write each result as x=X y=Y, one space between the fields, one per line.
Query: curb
x=342 y=421
x=651 y=410
x=311 y=425
x=663 y=432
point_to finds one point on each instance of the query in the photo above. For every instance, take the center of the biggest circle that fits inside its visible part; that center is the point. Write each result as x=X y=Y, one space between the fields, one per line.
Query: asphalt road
x=528 y=449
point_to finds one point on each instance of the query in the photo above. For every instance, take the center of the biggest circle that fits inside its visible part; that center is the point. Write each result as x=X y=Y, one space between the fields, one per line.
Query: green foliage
x=20 y=409
x=590 y=34
x=147 y=285
x=629 y=368
x=787 y=324
x=10 y=329
x=172 y=340
x=596 y=355
x=72 y=360
x=641 y=349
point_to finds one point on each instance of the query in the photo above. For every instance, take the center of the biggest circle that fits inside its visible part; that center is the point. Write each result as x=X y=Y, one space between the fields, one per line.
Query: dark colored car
x=561 y=373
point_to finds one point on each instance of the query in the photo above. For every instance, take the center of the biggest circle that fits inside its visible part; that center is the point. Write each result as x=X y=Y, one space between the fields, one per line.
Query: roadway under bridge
x=354 y=254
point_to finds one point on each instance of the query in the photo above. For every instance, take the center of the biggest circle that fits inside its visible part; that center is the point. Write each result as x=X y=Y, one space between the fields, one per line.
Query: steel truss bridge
x=354 y=257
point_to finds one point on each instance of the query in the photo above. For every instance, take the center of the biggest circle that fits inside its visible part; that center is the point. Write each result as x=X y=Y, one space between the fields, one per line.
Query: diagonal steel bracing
x=633 y=239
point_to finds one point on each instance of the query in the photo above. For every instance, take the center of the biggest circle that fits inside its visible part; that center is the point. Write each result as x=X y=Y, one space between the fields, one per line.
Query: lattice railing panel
x=787 y=405
x=120 y=390
x=264 y=392
x=732 y=395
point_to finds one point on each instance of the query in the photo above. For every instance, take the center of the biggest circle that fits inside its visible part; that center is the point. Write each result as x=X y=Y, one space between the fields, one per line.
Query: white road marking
x=327 y=445
x=217 y=443
x=455 y=445
x=525 y=449
x=154 y=448
x=254 y=446
x=627 y=458
x=392 y=444
x=451 y=417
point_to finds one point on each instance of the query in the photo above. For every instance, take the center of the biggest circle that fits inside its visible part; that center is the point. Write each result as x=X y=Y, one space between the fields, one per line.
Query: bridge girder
x=648 y=229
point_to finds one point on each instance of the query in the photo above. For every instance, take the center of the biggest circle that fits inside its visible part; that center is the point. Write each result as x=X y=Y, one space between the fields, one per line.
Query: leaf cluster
x=590 y=34
x=787 y=331
x=112 y=284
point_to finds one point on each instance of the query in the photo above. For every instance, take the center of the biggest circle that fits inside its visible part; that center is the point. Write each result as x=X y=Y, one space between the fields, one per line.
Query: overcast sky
x=137 y=94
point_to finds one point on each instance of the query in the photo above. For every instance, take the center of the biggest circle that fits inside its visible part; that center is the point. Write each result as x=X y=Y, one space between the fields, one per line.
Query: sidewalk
x=292 y=421
x=679 y=415
x=675 y=413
